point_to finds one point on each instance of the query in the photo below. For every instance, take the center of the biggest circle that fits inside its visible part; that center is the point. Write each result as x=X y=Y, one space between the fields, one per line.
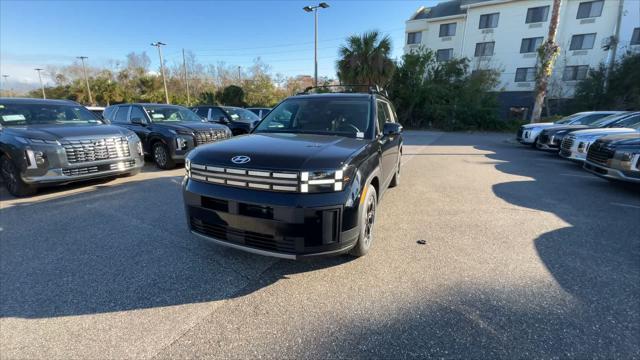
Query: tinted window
x=582 y=42
x=488 y=21
x=239 y=114
x=108 y=112
x=635 y=38
x=444 y=54
x=630 y=121
x=216 y=114
x=589 y=119
x=168 y=113
x=530 y=45
x=590 y=9
x=12 y=114
x=414 y=37
x=333 y=115
x=525 y=74
x=484 y=49
x=121 y=115
x=447 y=29
x=136 y=112
x=383 y=115
x=537 y=14
x=572 y=73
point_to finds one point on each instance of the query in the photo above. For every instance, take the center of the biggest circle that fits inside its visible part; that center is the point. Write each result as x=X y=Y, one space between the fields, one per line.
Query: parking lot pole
x=315 y=36
x=186 y=77
x=44 y=96
x=158 y=44
x=86 y=79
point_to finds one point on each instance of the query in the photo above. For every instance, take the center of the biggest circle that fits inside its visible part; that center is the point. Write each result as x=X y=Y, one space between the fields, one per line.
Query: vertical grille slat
x=599 y=153
x=209 y=136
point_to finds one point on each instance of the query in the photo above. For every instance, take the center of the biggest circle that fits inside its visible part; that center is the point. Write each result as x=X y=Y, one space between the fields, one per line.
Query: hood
x=538 y=125
x=602 y=132
x=190 y=126
x=280 y=151
x=564 y=128
x=622 y=139
x=59 y=132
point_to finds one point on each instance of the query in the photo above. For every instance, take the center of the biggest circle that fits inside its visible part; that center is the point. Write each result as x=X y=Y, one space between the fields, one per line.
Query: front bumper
x=573 y=155
x=612 y=173
x=86 y=171
x=285 y=225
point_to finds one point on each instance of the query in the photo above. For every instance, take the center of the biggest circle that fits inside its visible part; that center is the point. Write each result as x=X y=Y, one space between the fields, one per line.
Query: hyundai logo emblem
x=240 y=159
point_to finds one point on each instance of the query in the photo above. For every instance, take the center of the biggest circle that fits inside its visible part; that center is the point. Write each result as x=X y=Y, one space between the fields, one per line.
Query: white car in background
x=528 y=134
x=576 y=144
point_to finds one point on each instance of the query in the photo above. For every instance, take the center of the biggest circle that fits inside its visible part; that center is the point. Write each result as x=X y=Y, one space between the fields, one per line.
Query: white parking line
x=625 y=205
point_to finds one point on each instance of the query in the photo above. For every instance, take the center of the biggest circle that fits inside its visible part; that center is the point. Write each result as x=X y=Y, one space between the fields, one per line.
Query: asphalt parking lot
x=526 y=255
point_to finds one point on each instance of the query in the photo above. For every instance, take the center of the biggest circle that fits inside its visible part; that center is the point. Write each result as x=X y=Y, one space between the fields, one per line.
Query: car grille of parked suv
x=94 y=169
x=567 y=143
x=205 y=137
x=247 y=178
x=599 y=153
x=544 y=138
x=79 y=151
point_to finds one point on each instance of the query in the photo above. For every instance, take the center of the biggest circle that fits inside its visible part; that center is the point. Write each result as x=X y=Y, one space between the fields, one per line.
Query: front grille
x=247 y=178
x=209 y=136
x=567 y=143
x=238 y=236
x=79 y=151
x=99 y=168
x=599 y=153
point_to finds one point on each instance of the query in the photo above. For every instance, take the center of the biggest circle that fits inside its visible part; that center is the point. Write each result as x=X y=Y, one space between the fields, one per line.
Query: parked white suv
x=576 y=144
x=528 y=134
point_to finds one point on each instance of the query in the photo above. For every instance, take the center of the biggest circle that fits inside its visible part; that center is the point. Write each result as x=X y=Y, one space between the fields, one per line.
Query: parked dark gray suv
x=60 y=141
x=168 y=132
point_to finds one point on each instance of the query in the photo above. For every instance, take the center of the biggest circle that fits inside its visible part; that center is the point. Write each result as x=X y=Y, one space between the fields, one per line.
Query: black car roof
x=37 y=101
x=146 y=104
x=332 y=94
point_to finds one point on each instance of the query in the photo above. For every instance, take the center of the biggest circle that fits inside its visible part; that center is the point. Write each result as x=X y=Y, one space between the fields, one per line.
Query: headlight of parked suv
x=325 y=180
x=631 y=158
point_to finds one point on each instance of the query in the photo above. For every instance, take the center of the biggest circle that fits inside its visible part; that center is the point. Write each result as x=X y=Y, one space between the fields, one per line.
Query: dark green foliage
x=622 y=93
x=365 y=60
x=443 y=95
x=231 y=95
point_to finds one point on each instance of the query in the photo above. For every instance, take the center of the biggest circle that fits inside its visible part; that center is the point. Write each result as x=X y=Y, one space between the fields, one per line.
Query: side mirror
x=223 y=120
x=391 y=129
x=137 y=121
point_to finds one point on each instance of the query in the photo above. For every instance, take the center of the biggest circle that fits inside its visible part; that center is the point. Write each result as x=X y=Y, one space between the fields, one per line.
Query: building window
x=590 y=9
x=488 y=21
x=444 y=54
x=447 y=29
x=526 y=74
x=635 y=38
x=582 y=42
x=414 y=37
x=530 y=45
x=537 y=14
x=573 y=73
x=485 y=48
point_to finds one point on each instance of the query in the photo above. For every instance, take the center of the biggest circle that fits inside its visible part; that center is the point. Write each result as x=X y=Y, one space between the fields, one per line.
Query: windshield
x=45 y=114
x=568 y=119
x=160 y=113
x=608 y=120
x=629 y=122
x=588 y=119
x=337 y=116
x=239 y=114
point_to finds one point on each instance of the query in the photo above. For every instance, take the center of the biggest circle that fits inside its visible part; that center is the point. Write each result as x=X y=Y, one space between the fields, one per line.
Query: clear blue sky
x=38 y=33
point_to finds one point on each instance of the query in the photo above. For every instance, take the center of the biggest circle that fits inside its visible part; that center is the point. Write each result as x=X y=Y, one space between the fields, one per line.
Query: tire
x=366 y=222
x=12 y=179
x=535 y=143
x=162 y=156
x=396 y=177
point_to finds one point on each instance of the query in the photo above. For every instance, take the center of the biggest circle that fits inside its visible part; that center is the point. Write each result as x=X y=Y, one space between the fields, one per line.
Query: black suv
x=168 y=132
x=305 y=182
x=615 y=157
x=240 y=121
x=58 y=142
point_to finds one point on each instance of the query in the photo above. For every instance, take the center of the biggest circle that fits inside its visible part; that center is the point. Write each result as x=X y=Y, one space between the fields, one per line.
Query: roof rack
x=348 y=88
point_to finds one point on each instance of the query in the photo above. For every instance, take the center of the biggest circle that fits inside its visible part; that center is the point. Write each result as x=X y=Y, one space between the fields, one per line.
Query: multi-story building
x=505 y=34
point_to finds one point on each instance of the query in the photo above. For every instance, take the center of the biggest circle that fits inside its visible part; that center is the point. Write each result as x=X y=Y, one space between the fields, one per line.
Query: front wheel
x=12 y=179
x=162 y=157
x=367 y=220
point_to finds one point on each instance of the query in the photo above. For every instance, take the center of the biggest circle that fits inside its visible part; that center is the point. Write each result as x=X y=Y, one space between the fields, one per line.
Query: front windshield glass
x=12 y=114
x=333 y=116
x=162 y=113
x=568 y=119
x=608 y=120
x=239 y=114
x=629 y=122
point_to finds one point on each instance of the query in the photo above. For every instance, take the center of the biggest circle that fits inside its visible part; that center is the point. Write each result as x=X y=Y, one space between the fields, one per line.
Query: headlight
x=325 y=180
x=626 y=155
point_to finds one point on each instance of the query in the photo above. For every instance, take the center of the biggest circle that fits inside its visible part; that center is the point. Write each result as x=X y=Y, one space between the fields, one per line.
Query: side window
x=108 y=113
x=392 y=113
x=121 y=115
x=216 y=114
x=136 y=112
x=383 y=115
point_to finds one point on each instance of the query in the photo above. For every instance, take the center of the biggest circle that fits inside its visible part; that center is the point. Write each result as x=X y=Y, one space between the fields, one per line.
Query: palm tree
x=365 y=60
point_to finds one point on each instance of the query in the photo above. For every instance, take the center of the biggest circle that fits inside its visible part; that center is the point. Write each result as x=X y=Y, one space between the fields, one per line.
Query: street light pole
x=158 y=44
x=86 y=79
x=314 y=9
x=4 y=76
x=186 y=77
x=44 y=96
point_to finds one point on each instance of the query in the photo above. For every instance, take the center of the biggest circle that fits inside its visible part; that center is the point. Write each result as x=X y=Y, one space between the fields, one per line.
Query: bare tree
x=547 y=54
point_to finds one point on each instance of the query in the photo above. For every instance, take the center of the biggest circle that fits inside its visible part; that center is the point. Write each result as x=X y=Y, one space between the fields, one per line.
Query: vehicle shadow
x=118 y=247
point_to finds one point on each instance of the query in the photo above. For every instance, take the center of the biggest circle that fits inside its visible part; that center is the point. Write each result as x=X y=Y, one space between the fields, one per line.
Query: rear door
x=142 y=131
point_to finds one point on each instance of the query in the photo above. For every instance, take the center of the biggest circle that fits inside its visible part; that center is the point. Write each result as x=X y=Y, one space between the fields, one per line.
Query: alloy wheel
x=369 y=220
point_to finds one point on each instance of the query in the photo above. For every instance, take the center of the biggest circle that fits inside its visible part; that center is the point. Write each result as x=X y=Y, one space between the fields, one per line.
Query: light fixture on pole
x=86 y=79
x=158 y=44
x=314 y=9
x=44 y=96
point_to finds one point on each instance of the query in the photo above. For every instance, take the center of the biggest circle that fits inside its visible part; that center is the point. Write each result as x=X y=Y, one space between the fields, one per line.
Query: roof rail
x=348 y=88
